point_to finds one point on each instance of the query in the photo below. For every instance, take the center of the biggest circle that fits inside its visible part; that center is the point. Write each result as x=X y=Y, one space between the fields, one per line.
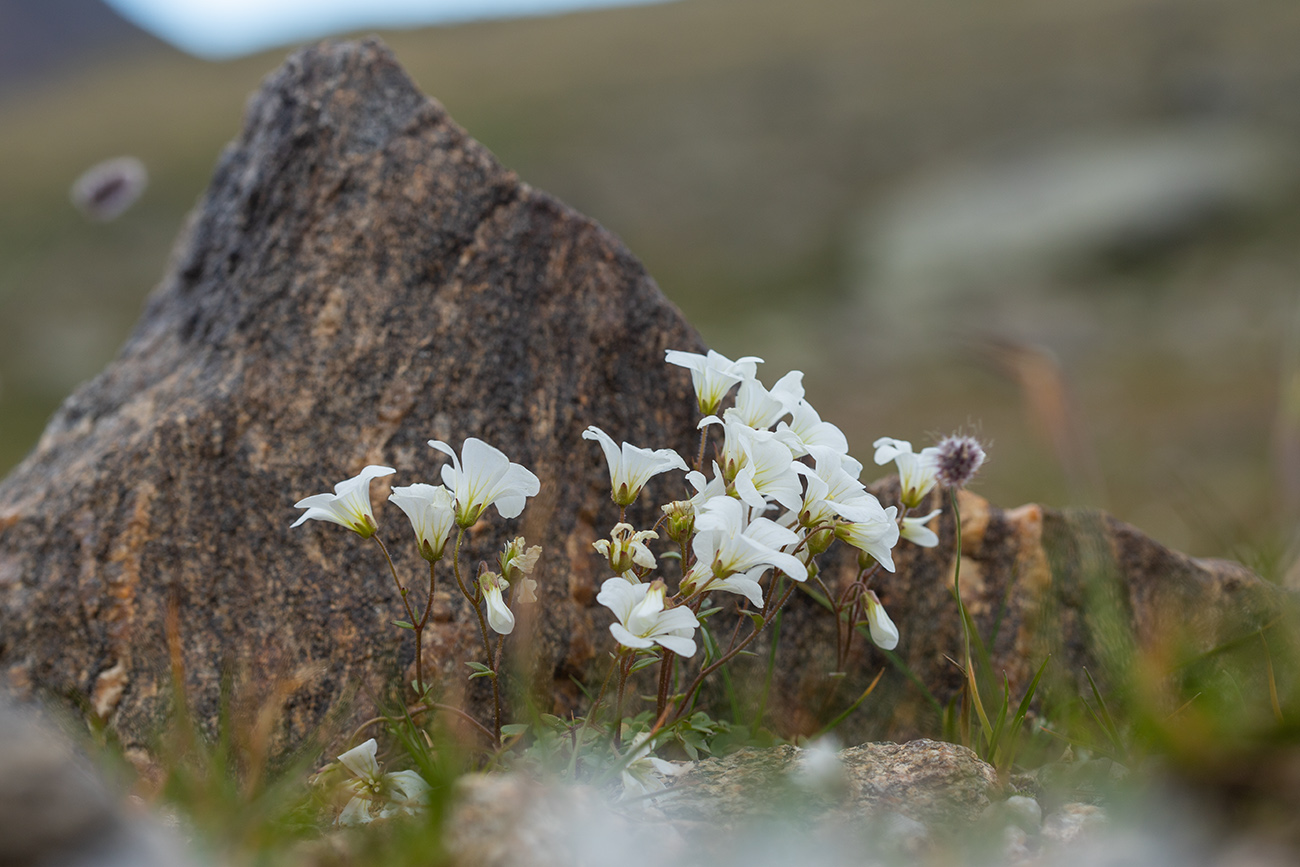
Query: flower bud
x=681 y=521
x=626 y=549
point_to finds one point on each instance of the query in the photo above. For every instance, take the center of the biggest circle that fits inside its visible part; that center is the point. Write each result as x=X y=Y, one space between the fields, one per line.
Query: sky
x=228 y=28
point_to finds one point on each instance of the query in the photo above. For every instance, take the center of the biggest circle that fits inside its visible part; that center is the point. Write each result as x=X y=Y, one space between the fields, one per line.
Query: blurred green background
x=1069 y=227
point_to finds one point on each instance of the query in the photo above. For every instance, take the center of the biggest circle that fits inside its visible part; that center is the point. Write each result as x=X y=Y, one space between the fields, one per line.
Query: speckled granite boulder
x=361 y=276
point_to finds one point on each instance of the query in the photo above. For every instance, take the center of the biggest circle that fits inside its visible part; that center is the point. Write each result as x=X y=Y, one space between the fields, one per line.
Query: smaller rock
x=514 y=821
x=54 y=809
x=1072 y=821
x=1022 y=812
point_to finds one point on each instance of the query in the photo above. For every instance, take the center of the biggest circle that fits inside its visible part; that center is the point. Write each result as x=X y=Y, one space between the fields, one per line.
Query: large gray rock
x=361 y=276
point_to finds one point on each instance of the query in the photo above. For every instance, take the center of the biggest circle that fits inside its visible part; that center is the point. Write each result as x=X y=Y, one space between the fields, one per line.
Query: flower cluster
x=481 y=476
x=778 y=489
x=782 y=488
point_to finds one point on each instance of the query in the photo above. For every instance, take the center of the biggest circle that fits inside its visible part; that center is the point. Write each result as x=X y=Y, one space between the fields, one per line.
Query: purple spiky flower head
x=959 y=458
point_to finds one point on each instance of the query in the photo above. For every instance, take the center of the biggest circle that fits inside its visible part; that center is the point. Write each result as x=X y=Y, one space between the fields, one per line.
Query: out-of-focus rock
x=1060 y=207
x=360 y=277
x=509 y=820
x=56 y=812
x=927 y=781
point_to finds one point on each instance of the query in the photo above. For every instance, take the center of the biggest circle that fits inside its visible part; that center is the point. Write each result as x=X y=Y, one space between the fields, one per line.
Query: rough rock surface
x=361 y=276
x=1079 y=585
x=927 y=781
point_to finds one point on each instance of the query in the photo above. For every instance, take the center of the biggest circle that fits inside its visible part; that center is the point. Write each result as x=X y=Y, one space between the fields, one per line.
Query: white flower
x=393 y=794
x=432 y=511
x=713 y=375
x=643 y=774
x=756 y=463
x=499 y=616
x=877 y=535
x=348 y=506
x=727 y=543
x=487 y=478
x=625 y=548
x=631 y=467
x=916 y=472
x=642 y=620
x=806 y=429
x=832 y=490
x=769 y=471
x=883 y=631
x=760 y=408
x=915 y=531
x=518 y=560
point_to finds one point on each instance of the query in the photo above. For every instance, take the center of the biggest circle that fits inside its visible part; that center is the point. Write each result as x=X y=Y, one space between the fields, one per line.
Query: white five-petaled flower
x=916 y=471
x=875 y=535
x=379 y=796
x=631 y=467
x=806 y=429
x=713 y=374
x=642 y=620
x=760 y=408
x=626 y=548
x=348 y=506
x=832 y=489
x=731 y=551
x=643 y=774
x=486 y=478
x=756 y=464
x=499 y=615
x=883 y=631
x=432 y=510
x=915 y=530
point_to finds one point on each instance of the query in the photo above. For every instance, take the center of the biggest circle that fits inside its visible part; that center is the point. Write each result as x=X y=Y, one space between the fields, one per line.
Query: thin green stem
x=410 y=614
x=483 y=633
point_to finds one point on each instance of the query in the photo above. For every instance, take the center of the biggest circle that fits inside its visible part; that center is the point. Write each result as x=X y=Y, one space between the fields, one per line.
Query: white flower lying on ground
x=916 y=471
x=713 y=375
x=642 y=620
x=486 y=478
x=349 y=505
x=432 y=511
x=631 y=467
x=379 y=796
x=644 y=774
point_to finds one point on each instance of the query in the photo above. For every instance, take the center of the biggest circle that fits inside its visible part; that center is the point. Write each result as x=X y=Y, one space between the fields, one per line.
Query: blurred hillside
x=40 y=38
x=750 y=152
